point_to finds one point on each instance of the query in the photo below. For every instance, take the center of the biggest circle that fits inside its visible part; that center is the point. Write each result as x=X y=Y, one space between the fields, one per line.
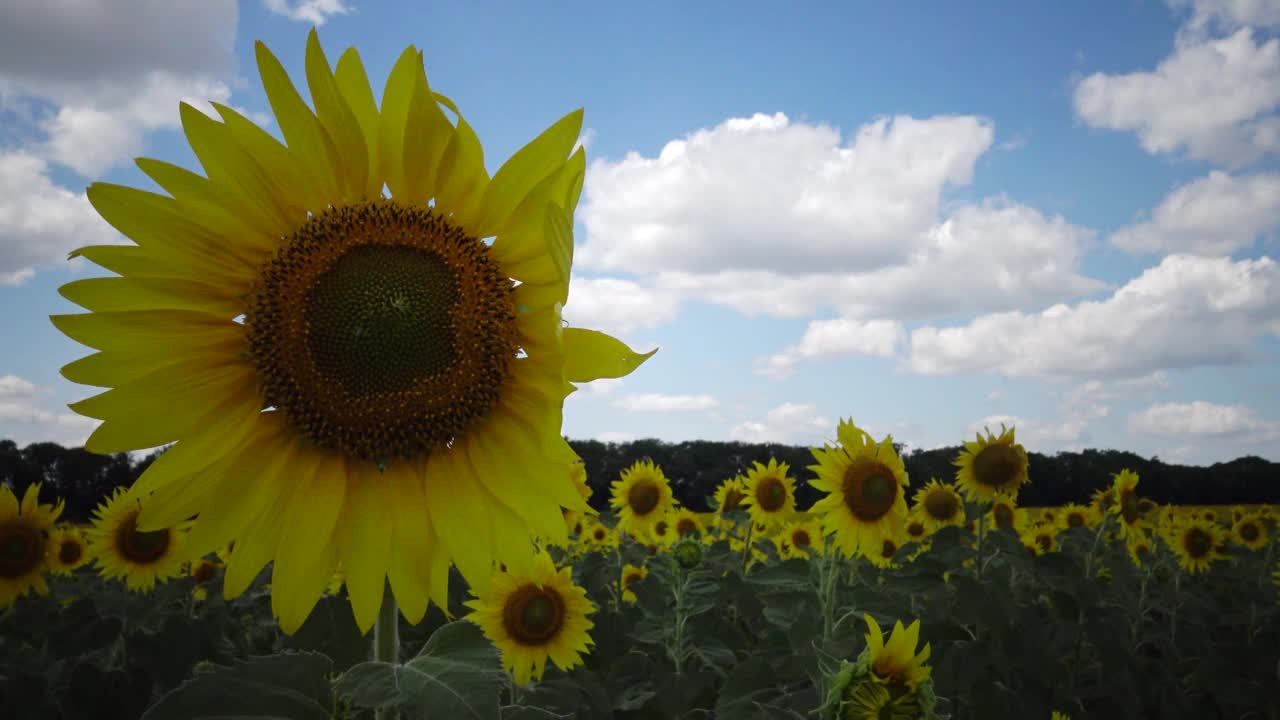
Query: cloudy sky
x=928 y=217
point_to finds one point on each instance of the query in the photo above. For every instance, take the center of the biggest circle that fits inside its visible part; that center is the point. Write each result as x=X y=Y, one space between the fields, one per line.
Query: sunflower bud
x=688 y=553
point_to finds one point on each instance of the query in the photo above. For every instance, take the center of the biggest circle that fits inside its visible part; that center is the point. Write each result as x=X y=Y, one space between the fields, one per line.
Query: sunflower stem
x=746 y=547
x=386 y=643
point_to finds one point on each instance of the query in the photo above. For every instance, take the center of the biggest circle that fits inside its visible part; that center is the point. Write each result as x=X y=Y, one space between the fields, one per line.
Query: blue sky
x=926 y=217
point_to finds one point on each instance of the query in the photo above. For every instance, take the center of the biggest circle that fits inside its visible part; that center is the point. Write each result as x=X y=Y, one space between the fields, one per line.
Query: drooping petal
x=364 y=541
x=306 y=554
x=409 y=564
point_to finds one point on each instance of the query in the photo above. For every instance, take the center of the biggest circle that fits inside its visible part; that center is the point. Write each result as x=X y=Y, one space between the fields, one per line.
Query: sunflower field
x=351 y=345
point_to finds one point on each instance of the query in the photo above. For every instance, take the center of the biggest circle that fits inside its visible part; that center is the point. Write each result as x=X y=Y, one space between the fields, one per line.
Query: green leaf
x=592 y=355
x=456 y=675
x=750 y=684
x=294 y=686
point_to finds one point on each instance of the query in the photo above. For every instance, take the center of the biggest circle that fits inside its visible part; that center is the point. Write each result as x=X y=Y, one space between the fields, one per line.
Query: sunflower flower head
x=888 y=681
x=534 y=617
x=630 y=576
x=68 y=549
x=24 y=542
x=1195 y=542
x=939 y=505
x=124 y=550
x=990 y=465
x=641 y=496
x=352 y=337
x=1127 y=505
x=866 y=483
x=1250 y=531
x=770 y=493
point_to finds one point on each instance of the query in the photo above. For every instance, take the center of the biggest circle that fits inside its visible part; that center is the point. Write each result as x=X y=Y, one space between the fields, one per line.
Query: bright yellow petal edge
x=171 y=352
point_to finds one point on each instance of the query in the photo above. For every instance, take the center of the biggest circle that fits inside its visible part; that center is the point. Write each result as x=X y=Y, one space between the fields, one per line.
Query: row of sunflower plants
x=1117 y=608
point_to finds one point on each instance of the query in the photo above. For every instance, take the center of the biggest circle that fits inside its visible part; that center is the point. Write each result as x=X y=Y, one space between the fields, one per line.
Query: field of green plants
x=729 y=621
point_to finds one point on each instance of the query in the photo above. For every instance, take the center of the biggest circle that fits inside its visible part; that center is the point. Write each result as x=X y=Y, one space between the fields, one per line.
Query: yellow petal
x=305 y=555
x=127 y=260
x=393 y=118
x=200 y=451
x=302 y=132
x=364 y=542
x=459 y=516
x=212 y=206
x=160 y=330
x=427 y=132
x=526 y=168
x=353 y=83
x=8 y=503
x=591 y=355
x=462 y=177
x=338 y=119
x=115 y=294
x=294 y=190
x=408 y=567
x=253 y=551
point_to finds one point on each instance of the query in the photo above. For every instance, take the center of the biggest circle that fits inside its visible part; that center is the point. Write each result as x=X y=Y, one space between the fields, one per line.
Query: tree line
x=82 y=479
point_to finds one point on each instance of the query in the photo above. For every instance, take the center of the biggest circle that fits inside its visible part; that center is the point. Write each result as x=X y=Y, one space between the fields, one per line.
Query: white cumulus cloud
x=1187 y=311
x=836 y=338
x=1215 y=100
x=618 y=306
x=25 y=415
x=315 y=12
x=792 y=423
x=1201 y=418
x=1214 y=215
x=658 y=402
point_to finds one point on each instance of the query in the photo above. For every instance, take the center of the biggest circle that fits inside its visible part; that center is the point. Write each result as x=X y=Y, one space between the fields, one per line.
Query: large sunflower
x=642 y=497
x=939 y=505
x=770 y=493
x=24 y=542
x=123 y=550
x=392 y=397
x=866 y=486
x=534 y=616
x=992 y=465
x=68 y=549
x=897 y=662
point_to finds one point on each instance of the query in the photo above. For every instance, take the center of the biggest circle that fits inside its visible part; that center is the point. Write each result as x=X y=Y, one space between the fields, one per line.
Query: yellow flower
x=642 y=496
x=1250 y=531
x=939 y=505
x=866 y=485
x=578 y=474
x=24 y=542
x=1041 y=538
x=663 y=531
x=1126 y=506
x=1195 y=542
x=413 y=374
x=1059 y=716
x=883 y=558
x=730 y=494
x=917 y=527
x=600 y=536
x=1140 y=548
x=803 y=538
x=68 y=549
x=687 y=522
x=630 y=575
x=123 y=550
x=1005 y=514
x=897 y=662
x=534 y=616
x=1076 y=516
x=770 y=493
x=991 y=465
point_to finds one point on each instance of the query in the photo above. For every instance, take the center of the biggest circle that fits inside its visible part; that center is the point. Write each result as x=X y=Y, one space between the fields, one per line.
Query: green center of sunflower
x=771 y=493
x=997 y=466
x=1129 y=507
x=869 y=489
x=1003 y=516
x=1197 y=543
x=643 y=497
x=69 y=552
x=941 y=505
x=142 y=548
x=381 y=330
x=1249 y=532
x=533 y=615
x=21 y=547
x=800 y=538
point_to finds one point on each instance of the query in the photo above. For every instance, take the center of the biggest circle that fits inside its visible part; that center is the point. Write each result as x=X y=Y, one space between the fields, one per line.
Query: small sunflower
x=631 y=575
x=888 y=549
x=68 y=549
x=1126 y=506
x=348 y=375
x=1076 y=516
x=535 y=616
x=663 y=531
x=642 y=496
x=897 y=661
x=201 y=572
x=24 y=542
x=1103 y=498
x=730 y=494
x=1141 y=549
x=803 y=538
x=866 y=486
x=992 y=465
x=1195 y=542
x=939 y=505
x=770 y=493
x=1250 y=531
x=1005 y=514
x=578 y=474
x=600 y=536
x=1041 y=538
x=124 y=551
x=917 y=527
x=687 y=523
